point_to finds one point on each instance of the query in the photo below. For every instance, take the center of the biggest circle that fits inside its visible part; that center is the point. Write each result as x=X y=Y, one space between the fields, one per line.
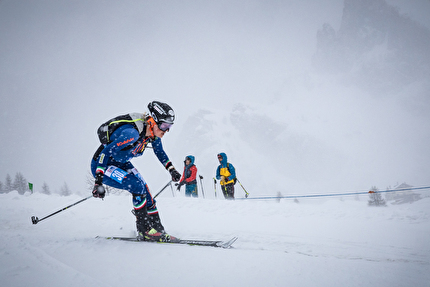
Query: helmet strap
x=151 y=123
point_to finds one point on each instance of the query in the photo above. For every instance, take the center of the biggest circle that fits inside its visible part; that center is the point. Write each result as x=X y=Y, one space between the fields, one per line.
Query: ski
x=211 y=243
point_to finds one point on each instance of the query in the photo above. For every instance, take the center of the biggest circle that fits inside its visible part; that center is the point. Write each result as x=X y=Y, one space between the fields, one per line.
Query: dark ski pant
x=228 y=190
x=191 y=190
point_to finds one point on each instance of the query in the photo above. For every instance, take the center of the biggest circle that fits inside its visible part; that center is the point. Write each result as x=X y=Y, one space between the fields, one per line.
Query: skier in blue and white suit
x=130 y=134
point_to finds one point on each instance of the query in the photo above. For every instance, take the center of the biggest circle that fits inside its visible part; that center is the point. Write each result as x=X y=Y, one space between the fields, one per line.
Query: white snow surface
x=330 y=242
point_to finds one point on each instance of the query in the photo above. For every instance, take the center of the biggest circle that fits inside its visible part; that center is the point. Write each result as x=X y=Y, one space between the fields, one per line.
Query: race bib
x=115 y=173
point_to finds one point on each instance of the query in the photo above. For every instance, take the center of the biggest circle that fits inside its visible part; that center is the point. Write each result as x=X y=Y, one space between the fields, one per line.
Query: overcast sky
x=68 y=66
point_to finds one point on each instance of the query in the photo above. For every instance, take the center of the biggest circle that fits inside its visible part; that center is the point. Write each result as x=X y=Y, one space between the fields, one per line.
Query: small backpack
x=235 y=178
x=106 y=130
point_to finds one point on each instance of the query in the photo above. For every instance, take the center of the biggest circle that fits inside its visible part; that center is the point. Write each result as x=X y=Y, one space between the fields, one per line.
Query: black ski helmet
x=161 y=113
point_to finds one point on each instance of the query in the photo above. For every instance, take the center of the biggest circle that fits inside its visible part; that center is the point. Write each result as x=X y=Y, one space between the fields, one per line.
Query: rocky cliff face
x=376 y=48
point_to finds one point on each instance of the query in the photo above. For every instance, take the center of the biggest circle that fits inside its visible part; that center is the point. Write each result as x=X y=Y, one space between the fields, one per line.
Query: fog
x=250 y=78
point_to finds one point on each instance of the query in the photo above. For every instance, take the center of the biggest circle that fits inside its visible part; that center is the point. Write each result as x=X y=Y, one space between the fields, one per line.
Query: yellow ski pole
x=246 y=193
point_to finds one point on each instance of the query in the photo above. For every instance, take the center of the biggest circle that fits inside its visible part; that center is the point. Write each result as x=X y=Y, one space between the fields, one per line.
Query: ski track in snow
x=313 y=243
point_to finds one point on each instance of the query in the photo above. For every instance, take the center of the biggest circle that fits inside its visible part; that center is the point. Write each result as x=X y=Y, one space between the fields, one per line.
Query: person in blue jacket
x=189 y=177
x=226 y=173
x=124 y=138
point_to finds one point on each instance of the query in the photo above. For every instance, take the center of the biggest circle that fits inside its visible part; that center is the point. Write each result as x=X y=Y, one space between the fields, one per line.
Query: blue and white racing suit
x=114 y=158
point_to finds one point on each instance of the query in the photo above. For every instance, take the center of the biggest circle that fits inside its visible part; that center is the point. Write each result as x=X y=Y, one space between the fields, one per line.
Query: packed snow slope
x=331 y=242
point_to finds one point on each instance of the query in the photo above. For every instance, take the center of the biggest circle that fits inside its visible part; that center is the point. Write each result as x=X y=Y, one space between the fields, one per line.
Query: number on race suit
x=115 y=173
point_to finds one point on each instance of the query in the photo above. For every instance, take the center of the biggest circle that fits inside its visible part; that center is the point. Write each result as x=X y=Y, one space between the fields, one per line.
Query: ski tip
x=101 y=237
x=228 y=244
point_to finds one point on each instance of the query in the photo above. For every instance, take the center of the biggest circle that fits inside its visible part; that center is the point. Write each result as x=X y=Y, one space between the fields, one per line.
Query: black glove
x=179 y=185
x=176 y=176
x=98 y=190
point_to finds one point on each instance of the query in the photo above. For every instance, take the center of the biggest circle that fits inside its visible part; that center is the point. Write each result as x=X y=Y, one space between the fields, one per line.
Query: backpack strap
x=151 y=122
x=235 y=178
x=135 y=119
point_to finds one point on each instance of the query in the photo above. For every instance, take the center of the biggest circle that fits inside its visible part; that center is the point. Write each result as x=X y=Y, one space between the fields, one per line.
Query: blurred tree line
x=20 y=184
x=402 y=193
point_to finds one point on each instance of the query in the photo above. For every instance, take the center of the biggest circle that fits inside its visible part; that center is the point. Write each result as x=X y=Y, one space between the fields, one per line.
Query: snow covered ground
x=330 y=242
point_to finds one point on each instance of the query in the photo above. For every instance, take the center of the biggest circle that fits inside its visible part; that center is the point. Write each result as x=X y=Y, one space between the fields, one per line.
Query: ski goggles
x=164 y=126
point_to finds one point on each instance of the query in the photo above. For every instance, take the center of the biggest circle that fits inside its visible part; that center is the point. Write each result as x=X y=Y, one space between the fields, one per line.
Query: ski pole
x=215 y=186
x=171 y=187
x=35 y=219
x=163 y=189
x=201 y=177
x=246 y=193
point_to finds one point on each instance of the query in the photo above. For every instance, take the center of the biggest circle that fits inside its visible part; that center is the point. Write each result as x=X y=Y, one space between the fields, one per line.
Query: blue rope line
x=335 y=194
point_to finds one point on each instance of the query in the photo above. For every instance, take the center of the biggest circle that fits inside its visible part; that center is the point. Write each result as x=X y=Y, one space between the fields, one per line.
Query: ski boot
x=154 y=219
x=154 y=235
x=146 y=231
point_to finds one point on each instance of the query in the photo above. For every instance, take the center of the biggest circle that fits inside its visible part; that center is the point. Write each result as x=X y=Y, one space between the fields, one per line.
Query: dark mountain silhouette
x=376 y=47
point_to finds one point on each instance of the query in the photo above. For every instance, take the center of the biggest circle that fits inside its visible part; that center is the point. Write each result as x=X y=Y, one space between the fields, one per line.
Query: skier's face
x=157 y=132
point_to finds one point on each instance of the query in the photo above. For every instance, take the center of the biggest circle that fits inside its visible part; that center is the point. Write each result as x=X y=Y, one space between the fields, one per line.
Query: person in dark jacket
x=189 y=177
x=226 y=173
x=124 y=138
